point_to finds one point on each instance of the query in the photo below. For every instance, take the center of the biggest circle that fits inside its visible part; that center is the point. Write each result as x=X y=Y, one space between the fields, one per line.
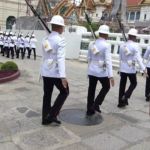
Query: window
x=112 y=38
x=132 y=16
x=112 y=49
x=121 y=39
x=138 y=40
x=137 y=15
x=118 y=49
x=145 y=17
x=84 y=46
x=71 y=29
x=146 y=41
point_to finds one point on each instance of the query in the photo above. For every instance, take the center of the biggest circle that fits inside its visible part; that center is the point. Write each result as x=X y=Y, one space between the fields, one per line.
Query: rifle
x=114 y=13
x=89 y=24
x=14 y=34
x=31 y=36
x=121 y=27
x=18 y=35
x=37 y=15
x=27 y=34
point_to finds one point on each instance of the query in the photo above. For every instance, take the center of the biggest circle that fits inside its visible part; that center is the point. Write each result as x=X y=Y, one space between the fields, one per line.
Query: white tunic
x=21 y=42
x=1 y=40
x=27 y=42
x=54 y=61
x=6 y=44
x=11 y=41
x=147 y=56
x=16 y=41
x=99 y=59
x=33 y=42
x=130 y=55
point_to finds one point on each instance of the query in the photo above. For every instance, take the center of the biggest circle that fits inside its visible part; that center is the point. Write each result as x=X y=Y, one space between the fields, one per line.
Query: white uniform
x=1 y=40
x=147 y=57
x=27 y=42
x=99 y=58
x=11 y=41
x=33 y=42
x=16 y=41
x=54 y=60
x=147 y=85
x=6 y=44
x=21 y=42
x=129 y=55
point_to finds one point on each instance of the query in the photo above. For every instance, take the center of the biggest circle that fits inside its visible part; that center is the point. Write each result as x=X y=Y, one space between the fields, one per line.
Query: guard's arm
x=61 y=58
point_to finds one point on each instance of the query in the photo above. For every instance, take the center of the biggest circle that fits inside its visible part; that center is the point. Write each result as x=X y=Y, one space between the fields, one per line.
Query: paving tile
x=105 y=142
x=8 y=146
x=130 y=134
x=50 y=137
x=4 y=133
x=141 y=116
x=141 y=146
x=76 y=146
x=145 y=125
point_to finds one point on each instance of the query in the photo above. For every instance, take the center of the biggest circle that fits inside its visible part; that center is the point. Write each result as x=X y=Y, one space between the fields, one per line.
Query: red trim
x=11 y=77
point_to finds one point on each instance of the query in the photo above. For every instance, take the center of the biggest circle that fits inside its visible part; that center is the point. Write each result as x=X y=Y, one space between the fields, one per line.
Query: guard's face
x=105 y=36
x=134 y=38
x=61 y=30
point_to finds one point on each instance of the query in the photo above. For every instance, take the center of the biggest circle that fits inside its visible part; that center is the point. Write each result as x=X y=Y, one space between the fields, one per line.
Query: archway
x=10 y=21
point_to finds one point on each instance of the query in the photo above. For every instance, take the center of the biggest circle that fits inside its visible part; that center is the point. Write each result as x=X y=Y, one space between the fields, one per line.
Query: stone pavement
x=20 y=119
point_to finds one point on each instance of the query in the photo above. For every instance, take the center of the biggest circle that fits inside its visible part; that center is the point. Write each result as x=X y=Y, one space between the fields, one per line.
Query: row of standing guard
x=12 y=44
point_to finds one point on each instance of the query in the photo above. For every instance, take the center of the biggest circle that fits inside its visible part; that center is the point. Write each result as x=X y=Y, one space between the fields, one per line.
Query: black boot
x=123 y=102
x=148 y=98
x=90 y=112
x=97 y=108
x=121 y=105
x=49 y=119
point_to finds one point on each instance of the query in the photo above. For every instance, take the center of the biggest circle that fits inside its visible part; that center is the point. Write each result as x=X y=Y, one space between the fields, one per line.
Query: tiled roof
x=133 y=2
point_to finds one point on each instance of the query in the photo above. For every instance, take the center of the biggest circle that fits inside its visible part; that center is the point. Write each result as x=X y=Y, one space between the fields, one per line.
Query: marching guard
x=33 y=41
x=15 y=42
x=11 y=45
x=6 y=44
x=20 y=46
x=1 y=41
x=99 y=69
x=53 y=71
x=129 y=55
x=147 y=85
x=27 y=45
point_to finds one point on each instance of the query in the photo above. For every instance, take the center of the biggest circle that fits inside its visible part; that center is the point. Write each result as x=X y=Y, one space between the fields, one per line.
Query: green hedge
x=1 y=65
x=9 y=65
